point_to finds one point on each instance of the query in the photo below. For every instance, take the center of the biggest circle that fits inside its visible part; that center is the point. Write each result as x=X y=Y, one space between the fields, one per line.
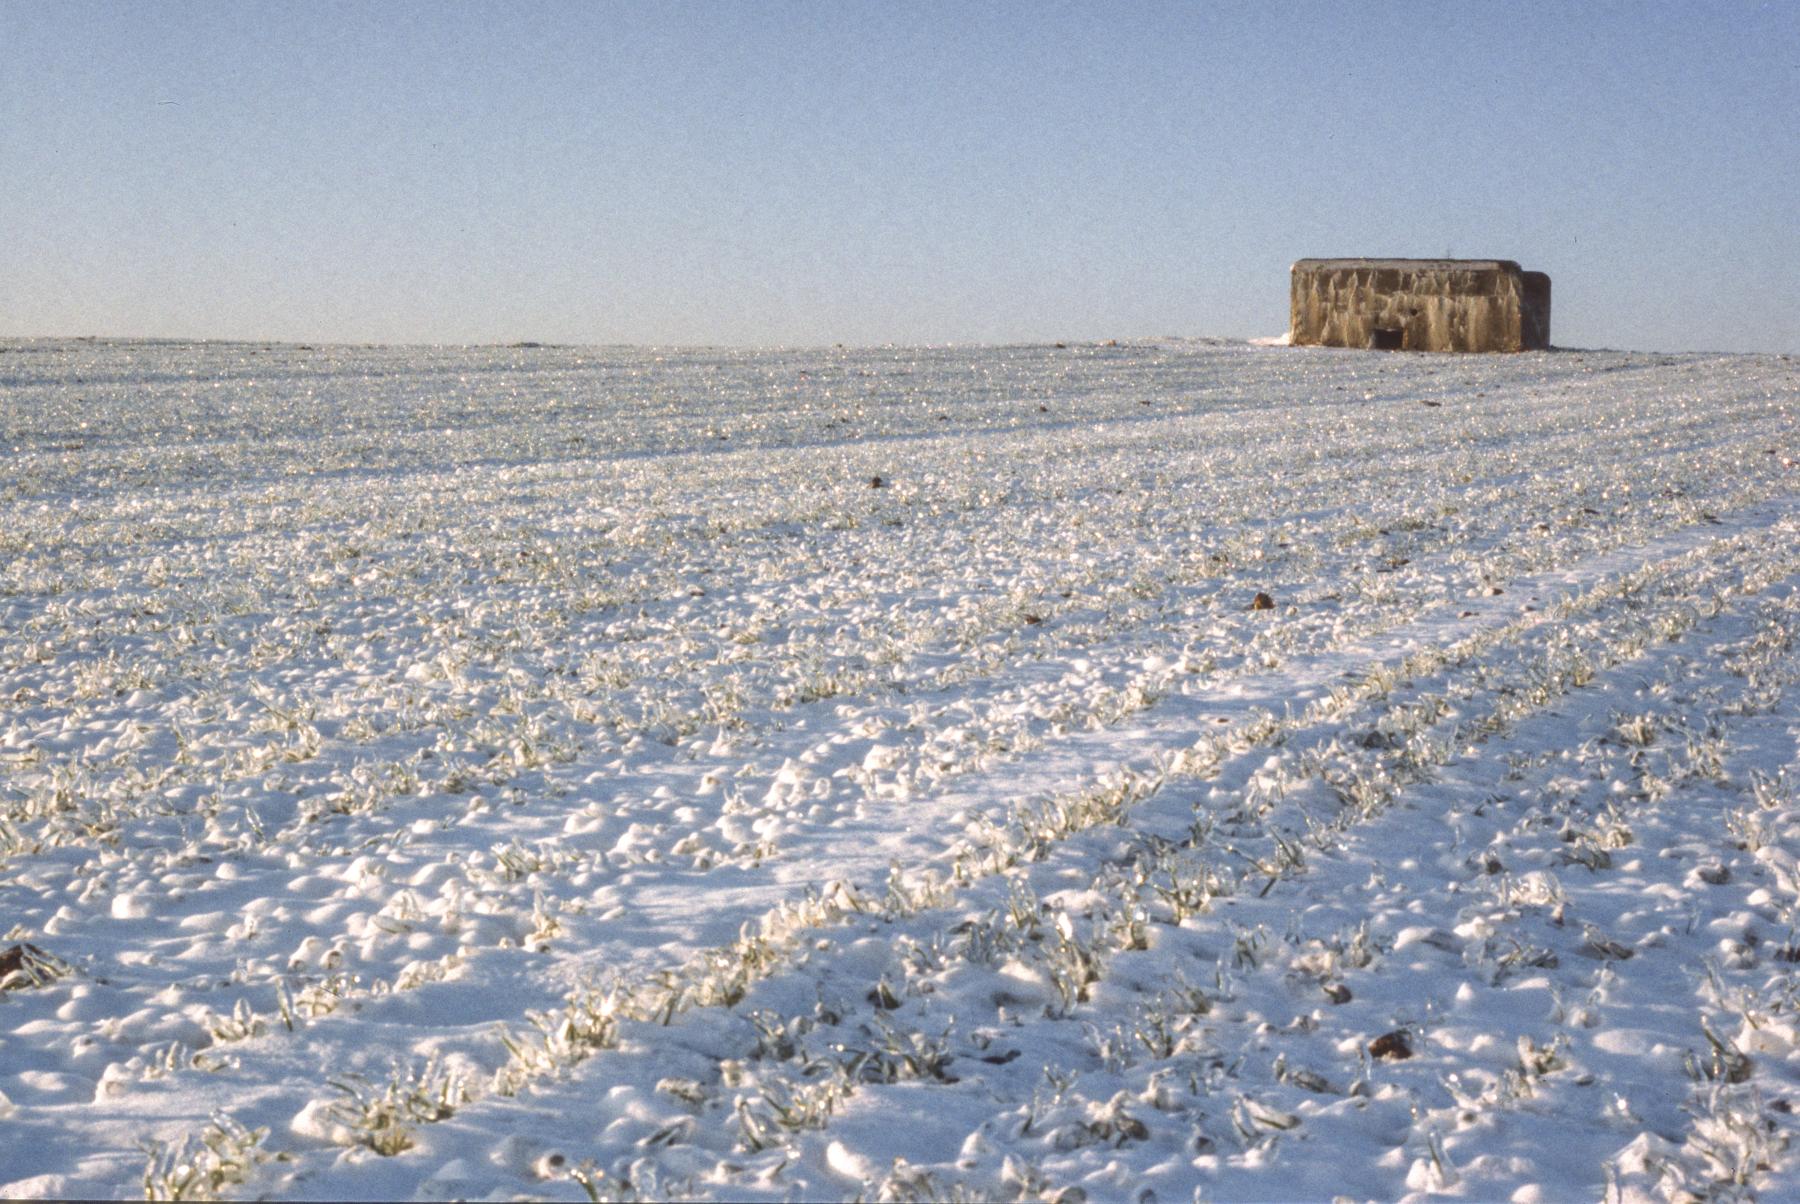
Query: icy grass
x=609 y=774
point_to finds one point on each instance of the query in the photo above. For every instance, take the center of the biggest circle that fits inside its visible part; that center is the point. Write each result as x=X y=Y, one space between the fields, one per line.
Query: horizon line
x=546 y=345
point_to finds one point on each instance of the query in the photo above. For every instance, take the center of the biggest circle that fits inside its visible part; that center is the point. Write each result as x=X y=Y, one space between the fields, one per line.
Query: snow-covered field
x=1134 y=772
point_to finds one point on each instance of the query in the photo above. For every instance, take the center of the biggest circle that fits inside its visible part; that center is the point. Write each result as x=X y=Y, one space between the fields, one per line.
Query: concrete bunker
x=1420 y=305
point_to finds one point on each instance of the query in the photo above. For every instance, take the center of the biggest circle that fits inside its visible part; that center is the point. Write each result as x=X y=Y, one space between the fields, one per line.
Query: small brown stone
x=1262 y=601
x=1393 y=1046
x=876 y=482
x=1337 y=992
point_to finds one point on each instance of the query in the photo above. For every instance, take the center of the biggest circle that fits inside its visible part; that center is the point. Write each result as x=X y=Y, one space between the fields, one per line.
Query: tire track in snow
x=914 y=835
x=1522 y=631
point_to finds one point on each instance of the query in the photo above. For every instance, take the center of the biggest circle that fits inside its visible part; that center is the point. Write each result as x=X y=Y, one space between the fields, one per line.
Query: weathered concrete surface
x=1420 y=305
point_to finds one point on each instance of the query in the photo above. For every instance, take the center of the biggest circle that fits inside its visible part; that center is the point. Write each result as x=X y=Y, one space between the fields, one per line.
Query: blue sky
x=867 y=173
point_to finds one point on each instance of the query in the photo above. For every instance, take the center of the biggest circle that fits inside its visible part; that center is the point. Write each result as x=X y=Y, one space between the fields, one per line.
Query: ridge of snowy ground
x=566 y=772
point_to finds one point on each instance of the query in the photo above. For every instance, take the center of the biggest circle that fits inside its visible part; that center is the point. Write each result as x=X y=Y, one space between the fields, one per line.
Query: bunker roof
x=1417 y=265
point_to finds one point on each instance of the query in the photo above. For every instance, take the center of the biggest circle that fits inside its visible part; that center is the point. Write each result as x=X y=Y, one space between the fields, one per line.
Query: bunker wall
x=1434 y=306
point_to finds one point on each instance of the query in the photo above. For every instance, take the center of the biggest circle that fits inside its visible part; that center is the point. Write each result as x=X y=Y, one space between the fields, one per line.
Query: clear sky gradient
x=874 y=172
